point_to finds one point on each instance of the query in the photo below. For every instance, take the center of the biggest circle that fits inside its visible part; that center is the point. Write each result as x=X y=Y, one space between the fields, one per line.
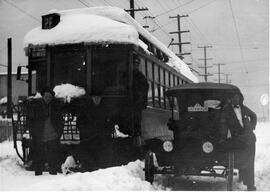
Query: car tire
x=230 y=169
x=149 y=167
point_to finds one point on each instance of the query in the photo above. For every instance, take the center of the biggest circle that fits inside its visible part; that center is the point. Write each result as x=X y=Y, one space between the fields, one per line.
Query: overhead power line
x=174 y=8
x=84 y=3
x=21 y=10
x=201 y=7
x=237 y=35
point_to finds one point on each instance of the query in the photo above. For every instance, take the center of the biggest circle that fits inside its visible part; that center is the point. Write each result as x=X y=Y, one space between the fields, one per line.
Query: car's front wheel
x=149 y=167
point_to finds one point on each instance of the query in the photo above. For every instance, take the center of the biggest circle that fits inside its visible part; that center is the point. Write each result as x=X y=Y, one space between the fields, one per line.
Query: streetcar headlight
x=207 y=147
x=168 y=146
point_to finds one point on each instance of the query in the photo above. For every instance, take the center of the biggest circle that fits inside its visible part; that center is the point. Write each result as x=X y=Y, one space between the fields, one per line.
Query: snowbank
x=97 y=25
x=15 y=177
x=68 y=91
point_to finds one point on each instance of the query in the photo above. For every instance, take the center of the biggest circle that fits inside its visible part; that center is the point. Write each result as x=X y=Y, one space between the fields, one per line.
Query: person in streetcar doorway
x=140 y=90
x=46 y=125
x=237 y=125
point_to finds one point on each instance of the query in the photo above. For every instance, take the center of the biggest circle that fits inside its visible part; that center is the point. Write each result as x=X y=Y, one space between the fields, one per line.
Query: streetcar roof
x=98 y=25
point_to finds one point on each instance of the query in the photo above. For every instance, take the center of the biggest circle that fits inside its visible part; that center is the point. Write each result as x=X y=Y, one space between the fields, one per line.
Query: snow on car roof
x=204 y=87
x=101 y=24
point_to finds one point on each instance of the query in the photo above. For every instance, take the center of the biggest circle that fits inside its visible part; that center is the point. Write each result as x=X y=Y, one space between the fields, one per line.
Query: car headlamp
x=168 y=146
x=207 y=147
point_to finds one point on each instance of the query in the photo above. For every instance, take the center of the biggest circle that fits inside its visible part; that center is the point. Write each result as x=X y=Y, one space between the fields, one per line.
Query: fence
x=6 y=130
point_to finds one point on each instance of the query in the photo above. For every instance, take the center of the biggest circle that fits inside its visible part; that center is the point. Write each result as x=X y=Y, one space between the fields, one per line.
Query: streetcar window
x=143 y=66
x=166 y=78
x=150 y=95
x=175 y=80
x=167 y=101
x=70 y=67
x=41 y=77
x=149 y=70
x=162 y=97
x=156 y=95
x=156 y=75
x=110 y=70
x=171 y=79
x=161 y=76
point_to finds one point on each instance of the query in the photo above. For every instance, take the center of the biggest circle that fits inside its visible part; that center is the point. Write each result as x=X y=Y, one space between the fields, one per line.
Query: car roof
x=204 y=87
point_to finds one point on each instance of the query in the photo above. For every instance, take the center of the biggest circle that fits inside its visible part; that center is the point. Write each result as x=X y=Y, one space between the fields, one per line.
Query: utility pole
x=227 y=78
x=205 y=63
x=179 y=32
x=132 y=10
x=219 y=64
x=9 y=79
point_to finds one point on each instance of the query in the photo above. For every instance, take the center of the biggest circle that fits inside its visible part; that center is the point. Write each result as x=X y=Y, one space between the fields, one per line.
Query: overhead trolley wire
x=174 y=8
x=200 y=7
x=157 y=23
x=237 y=35
x=84 y=3
x=21 y=10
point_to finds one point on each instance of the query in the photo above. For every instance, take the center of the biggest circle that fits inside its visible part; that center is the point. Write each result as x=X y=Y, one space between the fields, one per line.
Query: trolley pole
x=205 y=63
x=9 y=78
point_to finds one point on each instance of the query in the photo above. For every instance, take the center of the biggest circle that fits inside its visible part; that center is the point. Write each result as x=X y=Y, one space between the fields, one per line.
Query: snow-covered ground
x=127 y=177
x=14 y=177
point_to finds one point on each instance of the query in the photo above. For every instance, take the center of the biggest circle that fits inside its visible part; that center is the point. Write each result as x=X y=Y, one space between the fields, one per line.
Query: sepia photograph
x=134 y=95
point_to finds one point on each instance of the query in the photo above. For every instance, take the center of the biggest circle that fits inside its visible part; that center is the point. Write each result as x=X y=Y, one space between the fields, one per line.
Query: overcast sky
x=237 y=30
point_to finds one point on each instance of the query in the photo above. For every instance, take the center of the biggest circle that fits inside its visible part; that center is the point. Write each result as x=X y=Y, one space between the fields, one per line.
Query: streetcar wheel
x=230 y=169
x=149 y=167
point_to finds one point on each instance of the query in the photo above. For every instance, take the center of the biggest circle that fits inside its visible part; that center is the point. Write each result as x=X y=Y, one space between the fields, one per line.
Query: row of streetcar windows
x=160 y=80
x=109 y=74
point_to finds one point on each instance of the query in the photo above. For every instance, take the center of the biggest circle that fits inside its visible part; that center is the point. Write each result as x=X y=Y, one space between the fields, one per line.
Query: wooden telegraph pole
x=219 y=64
x=9 y=79
x=179 y=32
x=132 y=10
x=205 y=63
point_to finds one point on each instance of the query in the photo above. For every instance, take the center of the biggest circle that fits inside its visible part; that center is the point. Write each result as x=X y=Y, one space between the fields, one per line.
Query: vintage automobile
x=195 y=148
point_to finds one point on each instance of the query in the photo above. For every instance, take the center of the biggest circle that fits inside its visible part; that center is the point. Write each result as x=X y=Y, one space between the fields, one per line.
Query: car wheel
x=230 y=169
x=149 y=167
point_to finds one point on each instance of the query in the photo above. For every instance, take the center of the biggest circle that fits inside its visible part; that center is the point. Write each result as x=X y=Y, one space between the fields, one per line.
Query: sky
x=236 y=30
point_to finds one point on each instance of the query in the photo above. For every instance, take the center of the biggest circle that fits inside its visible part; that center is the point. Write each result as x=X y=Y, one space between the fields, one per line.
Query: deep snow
x=128 y=177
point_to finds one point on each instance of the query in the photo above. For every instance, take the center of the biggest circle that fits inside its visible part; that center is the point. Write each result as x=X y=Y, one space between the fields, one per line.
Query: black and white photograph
x=134 y=95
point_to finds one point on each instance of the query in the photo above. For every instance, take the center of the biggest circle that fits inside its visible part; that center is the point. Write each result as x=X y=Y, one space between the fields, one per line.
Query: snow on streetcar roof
x=101 y=24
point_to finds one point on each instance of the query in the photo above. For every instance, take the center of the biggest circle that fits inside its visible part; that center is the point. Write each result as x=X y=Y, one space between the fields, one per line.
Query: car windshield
x=200 y=102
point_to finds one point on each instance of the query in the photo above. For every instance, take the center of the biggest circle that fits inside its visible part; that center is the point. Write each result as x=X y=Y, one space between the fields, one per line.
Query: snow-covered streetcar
x=96 y=51
x=197 y=147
